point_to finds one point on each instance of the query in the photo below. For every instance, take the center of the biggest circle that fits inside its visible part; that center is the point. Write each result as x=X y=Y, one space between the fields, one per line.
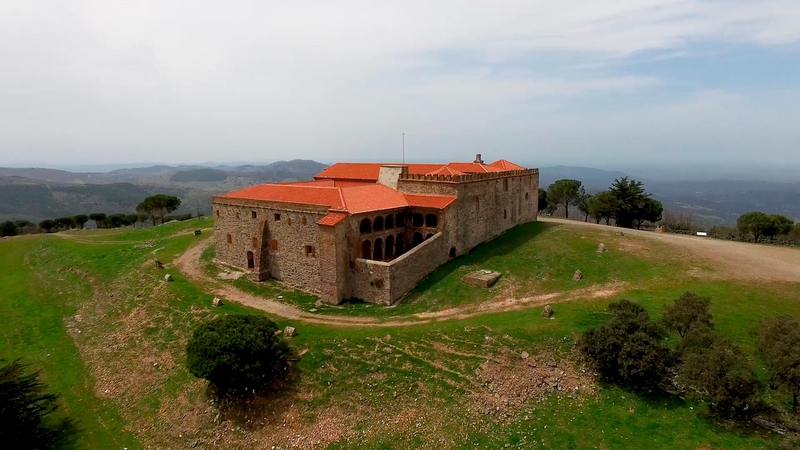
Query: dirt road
x=742 y=260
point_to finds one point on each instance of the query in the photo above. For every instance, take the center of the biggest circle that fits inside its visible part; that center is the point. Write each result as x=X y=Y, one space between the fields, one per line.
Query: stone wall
x=386 y=282
x=278 y=244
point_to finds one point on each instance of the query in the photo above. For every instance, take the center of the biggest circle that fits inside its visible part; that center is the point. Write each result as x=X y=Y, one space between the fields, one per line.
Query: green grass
x=390 y=387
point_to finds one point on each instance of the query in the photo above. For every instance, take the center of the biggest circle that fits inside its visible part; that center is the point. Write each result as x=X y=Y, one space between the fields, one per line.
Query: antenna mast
x=404 y=148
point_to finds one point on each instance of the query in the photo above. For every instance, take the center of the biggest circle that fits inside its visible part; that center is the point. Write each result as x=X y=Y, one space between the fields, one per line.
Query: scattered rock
x=524 y=355
x=619 y=233
x=289 y=332
x=167 y=278
x=217 y=302
x=280 y=297
x=601 y=248
x=318 y=303
x=313 y=310
x=578 y=275
x=198 y=232
x=159 y=264
x=547 y=312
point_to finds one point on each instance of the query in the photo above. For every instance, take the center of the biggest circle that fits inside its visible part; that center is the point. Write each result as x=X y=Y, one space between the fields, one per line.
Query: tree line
x=631 y=350
x=154 y=208
x=754 y=226
x=626 y=202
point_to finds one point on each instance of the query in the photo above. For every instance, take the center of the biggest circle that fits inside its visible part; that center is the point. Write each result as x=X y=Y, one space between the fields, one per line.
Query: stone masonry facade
x=370 y=232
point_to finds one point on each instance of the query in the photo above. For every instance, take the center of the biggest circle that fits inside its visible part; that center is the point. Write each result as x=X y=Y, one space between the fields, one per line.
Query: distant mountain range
x=35 y=194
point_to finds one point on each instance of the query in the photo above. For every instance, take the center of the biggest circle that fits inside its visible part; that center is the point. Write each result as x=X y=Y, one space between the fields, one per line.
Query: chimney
x=478 y=159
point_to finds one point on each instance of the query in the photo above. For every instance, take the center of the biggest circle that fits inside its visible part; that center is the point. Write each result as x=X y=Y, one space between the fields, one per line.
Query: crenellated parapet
x=466 y=178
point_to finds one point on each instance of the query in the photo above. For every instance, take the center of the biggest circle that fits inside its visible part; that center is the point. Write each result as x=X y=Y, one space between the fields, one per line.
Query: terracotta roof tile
x=446 y=170
x=332 y=219
x=506 y=165
x=472 y=167
x=291 y=193
x=369 y=171
x=429 y=201
x=373 y=197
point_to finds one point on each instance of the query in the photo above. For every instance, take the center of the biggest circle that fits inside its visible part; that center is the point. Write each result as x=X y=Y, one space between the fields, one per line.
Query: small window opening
x=237 y=215
x=217 y=213
x=452 y=252
x=229 y=239
x=288 y=221
x=303 y=220
x=253 y=214
x=311 y=251
x=505 y=184
x=277 y=217
x=505 y=214
x=275 y=245
x=250 y=260
x=255 y=242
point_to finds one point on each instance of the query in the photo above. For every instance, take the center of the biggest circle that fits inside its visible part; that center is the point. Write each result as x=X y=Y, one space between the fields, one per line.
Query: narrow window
x=255 y=242
x=277 y=217
x=288 y=221
x=253 y=213
x=366 y=249
x=505 y=214
x=237 y=215
x=250 y=260
x=217 y=213
x=303 y=220
x=229 y=239
x=526 y=196
x=452 y=252
x=274 y=245
x=311 y=251
x=505 y=184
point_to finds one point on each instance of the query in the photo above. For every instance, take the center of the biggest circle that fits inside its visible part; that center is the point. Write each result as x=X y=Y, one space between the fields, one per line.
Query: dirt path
x=189 y=263
x=742 y=260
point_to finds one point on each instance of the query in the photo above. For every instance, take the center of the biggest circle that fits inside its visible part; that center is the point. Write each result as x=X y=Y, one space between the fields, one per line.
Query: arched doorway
x=366 y=226
x=431 y=220
x=389 y=247
x=399 y=245
x=377 y=225
x=417 y=239
x=377 y=250
x=366 y=249
x=251 y=263
x=417 y=220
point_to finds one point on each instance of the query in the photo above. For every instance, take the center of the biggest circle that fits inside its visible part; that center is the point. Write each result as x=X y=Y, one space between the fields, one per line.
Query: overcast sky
x=580 y=82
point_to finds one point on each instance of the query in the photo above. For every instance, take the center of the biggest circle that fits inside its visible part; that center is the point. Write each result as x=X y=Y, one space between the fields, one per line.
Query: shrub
x=779 y=345
x=8 y=228
x=26 y=411
x=628 y=348
x=237 y=353
x=688 y=309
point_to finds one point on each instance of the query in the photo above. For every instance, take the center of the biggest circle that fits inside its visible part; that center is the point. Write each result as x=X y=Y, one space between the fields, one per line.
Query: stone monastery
x=371 y=231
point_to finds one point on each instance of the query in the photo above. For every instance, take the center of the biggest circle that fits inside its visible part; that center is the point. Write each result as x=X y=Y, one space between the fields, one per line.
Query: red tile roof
x=332 y=219
x=369 y=171
x=472 y=167
x=506 y=165
x=446 y=170
x=291 y=193
x=429 y=201
x=372 y=197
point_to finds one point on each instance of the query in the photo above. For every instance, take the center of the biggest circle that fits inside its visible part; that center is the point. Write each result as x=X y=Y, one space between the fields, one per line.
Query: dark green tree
x=65 y=223
x=142 y=218
x=779 y=225
x=8 y=228
x=27 y=418
x=132 y=219
x=22 y=224
x=159 y=205
x=237 y=353
x=99 y=219
x=583 y=205
x=542 y=200
x=47 y=225
x=649 y=211
x=627 y=349
x=602 y=206
x=755 y=223
x=565 y=193
x=779 y=345
x=721 y=374
x=116 y=220
x=630 y=197
x=80 y=220
x=687 y=309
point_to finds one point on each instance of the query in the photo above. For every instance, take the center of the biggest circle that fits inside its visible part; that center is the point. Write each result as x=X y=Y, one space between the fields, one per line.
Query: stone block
x=217 y=302
x=547 y=312
x=167 y=278
x=483 y=278
x=289 y=332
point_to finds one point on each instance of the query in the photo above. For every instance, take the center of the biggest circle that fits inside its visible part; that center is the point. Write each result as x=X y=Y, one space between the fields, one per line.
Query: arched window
x=428 y=236
x=390 y=221
x=431 y=220
x=399 y=245
x=366 y=249
x=400 y=220
x=377 y=225
x=229 y=239
x=452 y=252
x=526 y=196
x=217 y=213
x=366 y=226
x=389 y=247
x=250 y=261
x=417 y=239
x=377 y=250
x=417 y=220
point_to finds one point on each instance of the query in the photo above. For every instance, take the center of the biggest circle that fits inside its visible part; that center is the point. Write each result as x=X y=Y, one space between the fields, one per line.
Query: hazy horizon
x=645 y=82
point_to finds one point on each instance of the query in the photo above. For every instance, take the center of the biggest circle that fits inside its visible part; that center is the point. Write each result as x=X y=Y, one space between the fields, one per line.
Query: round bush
x=237 y=353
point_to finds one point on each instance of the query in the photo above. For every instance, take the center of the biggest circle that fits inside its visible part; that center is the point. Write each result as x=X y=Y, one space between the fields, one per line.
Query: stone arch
x=377 y=250
x=366 y=226
x=417 y=220
x=452 y=252
x=389 y=252
x=366 y=249
x=417 y=239
x=400 y=220
x=377 y=224
x=400 y=245
x=428 y=236
x=390 y=221
x=251 y=263
x=431 y=220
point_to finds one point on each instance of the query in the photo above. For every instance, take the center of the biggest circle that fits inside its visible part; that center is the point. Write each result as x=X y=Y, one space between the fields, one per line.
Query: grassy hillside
x=93 y=312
